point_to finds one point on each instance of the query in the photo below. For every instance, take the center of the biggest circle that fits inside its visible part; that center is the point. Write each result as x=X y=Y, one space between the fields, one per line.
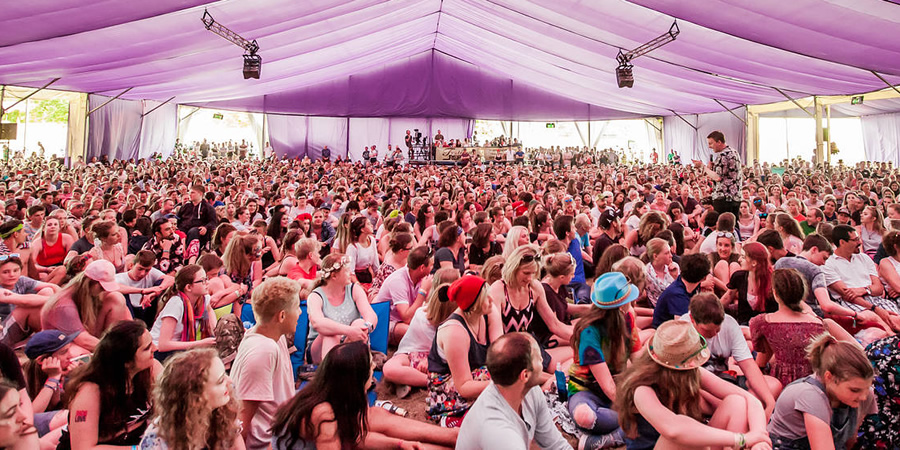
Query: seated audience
x=186 y=320
x=456 y=361
x=824 y=409
x=511 y=412
x=659 y=403
x=194 y=405
x=110 y=399
x=262 y=368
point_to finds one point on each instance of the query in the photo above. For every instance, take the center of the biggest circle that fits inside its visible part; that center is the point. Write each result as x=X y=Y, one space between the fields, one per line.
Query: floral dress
x=786 y=342
x=879 y=431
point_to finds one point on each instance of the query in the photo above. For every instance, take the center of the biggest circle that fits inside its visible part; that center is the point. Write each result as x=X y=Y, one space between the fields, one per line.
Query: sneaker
x=451 y=421
x=598 y=441
x=402 y=390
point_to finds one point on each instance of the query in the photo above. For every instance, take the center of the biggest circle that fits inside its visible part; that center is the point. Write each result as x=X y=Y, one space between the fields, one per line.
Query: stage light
x=624 y=73
x=252 y=61
x=252 y=66
x=625 y=76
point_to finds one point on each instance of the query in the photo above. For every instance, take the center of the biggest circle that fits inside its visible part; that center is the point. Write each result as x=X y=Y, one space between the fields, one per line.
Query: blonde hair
x=79 y=290
x=437 y=311
x=306 y=246
x=492 y=270
x=512 y=239
x=514 y=262
x=273 y=296
x=655 y=246
x=558 y=264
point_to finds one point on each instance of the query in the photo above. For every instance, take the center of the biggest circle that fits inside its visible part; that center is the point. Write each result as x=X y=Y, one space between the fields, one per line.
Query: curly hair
x=185 y=420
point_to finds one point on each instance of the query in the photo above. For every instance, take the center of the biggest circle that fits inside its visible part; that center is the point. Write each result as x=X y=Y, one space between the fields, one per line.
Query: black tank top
x=477 y=352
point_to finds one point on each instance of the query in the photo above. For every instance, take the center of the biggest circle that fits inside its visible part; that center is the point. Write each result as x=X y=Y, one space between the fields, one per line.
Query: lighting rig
x=624 y=73
x=252 y=61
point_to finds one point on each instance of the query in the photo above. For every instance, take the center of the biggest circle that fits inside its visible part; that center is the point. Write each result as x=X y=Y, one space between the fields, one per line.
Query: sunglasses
x=703 y=346
x=725 y=234
x=532 y=258
x=11 y=255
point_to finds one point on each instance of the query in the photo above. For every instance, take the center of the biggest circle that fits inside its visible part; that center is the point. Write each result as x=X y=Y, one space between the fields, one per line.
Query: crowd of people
x=181 y=302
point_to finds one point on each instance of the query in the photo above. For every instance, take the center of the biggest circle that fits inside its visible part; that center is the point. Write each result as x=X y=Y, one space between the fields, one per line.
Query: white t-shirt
x=262 y=373
x=362 y=257
x=174 y=308
x=419 y=336
x=147 y=282
x=728 y=342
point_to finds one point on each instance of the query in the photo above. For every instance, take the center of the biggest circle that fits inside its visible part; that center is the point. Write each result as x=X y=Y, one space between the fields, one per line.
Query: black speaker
x=625 y=76
x=252 y=66
x=8 y=131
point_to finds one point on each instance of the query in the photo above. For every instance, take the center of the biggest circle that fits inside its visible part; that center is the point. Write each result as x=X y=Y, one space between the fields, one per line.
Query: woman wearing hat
x=660 y=404
x=602 y=342
x=51 y=357
x=91 y=303
x=456 y=362
x=338 y=309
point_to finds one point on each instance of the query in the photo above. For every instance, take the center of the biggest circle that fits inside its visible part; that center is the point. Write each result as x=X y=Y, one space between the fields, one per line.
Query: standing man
x=726 y=172
x=511 y=412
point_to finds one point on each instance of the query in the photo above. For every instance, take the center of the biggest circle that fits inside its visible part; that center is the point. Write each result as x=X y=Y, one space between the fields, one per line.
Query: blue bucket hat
x=612 y=290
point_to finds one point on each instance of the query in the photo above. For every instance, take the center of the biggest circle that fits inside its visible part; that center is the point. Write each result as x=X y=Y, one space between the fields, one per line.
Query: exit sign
x=551 y=125
x=218 y=116
x=857 y=100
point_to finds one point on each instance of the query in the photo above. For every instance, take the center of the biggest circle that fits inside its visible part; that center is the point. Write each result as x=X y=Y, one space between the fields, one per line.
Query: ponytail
x=843 y=360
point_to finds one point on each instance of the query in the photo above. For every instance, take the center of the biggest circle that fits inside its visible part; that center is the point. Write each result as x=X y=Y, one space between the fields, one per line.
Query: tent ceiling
x=731 y=50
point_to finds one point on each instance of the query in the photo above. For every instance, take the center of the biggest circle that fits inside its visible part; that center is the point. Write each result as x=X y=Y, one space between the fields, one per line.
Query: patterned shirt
x=175 y=260
x=728 y=167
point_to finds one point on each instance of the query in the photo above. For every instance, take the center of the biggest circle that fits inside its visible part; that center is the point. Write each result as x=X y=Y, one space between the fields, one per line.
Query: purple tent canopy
x=500 y=59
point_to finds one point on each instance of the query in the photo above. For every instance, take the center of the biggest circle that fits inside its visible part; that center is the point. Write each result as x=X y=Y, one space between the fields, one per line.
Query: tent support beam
x=3 y=110
x=196 y=108
x=653 y=125
x=685 y=120
x=108 y=101
x=157 y=106
x=731 y=111
x=885 y=81
x=794 y=102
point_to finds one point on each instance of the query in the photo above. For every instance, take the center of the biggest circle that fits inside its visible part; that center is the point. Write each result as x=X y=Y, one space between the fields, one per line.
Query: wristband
x=423 y=293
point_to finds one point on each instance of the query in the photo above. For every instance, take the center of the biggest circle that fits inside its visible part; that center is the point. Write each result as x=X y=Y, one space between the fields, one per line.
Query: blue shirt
x=675 y=300
x=575 y=251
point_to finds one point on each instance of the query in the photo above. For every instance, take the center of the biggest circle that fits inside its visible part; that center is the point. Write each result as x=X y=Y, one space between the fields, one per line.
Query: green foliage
x=40 y=111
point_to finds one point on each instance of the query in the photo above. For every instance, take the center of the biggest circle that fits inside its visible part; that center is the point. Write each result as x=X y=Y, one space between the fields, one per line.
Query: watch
x=868 y=290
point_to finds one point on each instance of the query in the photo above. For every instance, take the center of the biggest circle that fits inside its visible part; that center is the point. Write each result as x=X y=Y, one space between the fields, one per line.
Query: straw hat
x=677 y=345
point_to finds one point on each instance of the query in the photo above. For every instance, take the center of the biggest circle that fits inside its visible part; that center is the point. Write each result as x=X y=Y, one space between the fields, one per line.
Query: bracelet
x=740 y=441
x=423 y=293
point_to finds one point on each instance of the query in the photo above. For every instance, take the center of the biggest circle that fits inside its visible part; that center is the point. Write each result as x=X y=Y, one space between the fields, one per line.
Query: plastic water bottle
x=562 y=391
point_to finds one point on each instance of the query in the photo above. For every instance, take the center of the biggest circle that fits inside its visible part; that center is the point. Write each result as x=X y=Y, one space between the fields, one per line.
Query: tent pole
x=28 y=96
x=157 y=106
x=794 y=102
x=110 y=100
x=731 y=111
x=828 y=149
x=820 y=132
x=885 y=81
x=2 y=94
x=685 y=120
